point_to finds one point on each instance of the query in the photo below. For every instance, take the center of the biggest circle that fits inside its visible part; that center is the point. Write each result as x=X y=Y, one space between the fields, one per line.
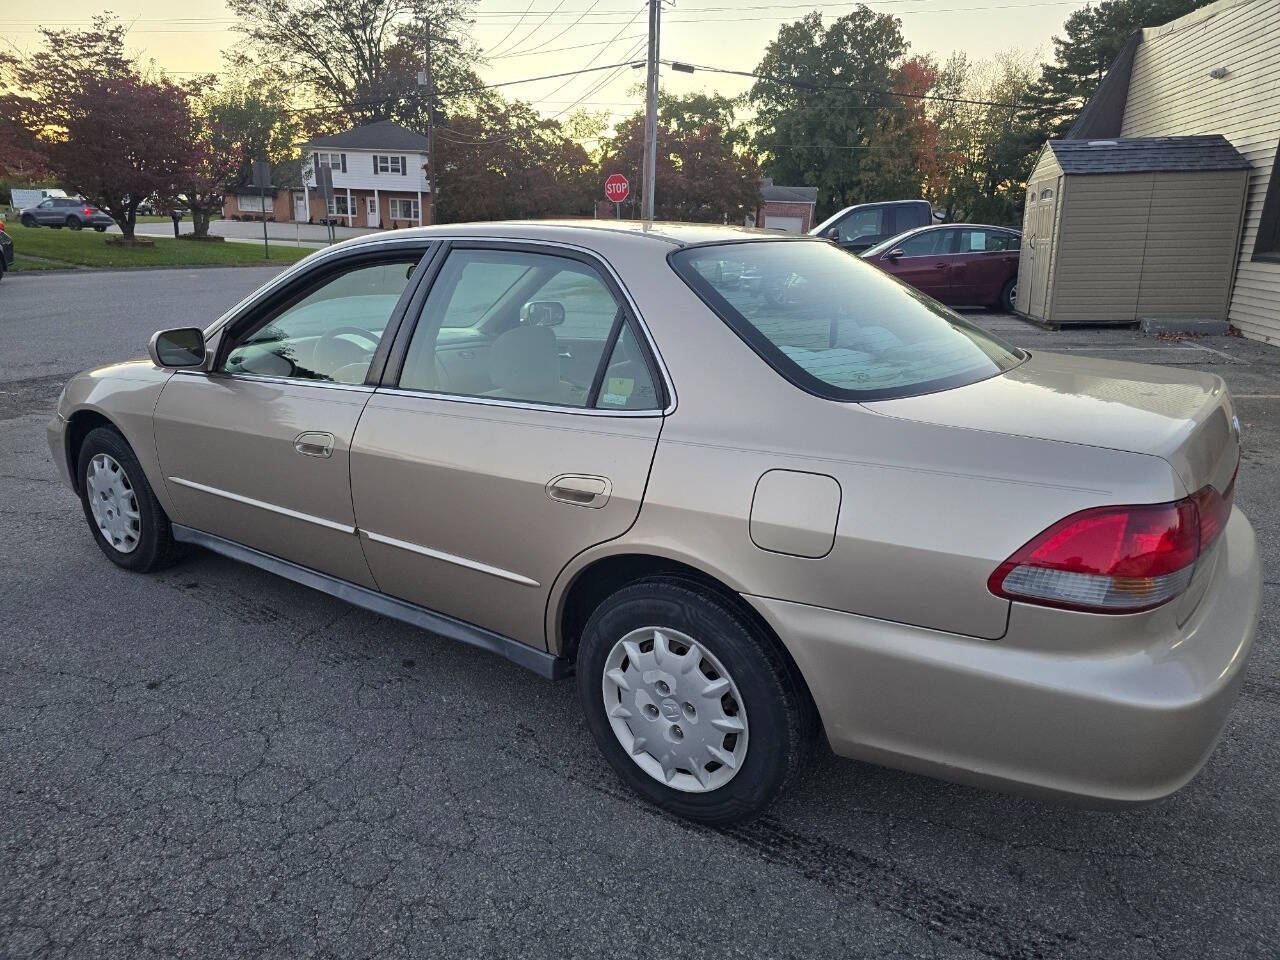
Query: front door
x=1037 y=245
x=925 y=261
x=300 y=212
x=371 y=211
x=257 y=449
x=494 y=455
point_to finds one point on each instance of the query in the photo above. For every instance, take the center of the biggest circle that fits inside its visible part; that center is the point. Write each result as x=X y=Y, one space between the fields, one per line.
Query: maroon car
x=961 y=264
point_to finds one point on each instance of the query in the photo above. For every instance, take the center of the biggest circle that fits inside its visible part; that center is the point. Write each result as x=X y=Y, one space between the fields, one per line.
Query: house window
x=1266 y=246
x=246 y=203
x=331 y=160
x=384 y=164
x=338 y=206
x=404 y=209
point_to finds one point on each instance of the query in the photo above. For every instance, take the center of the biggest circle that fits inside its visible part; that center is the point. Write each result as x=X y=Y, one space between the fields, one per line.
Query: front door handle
x=314 y=444
x=581 y=490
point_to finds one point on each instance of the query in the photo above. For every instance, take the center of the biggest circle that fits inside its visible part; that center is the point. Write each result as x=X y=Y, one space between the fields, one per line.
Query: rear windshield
x=836 y=326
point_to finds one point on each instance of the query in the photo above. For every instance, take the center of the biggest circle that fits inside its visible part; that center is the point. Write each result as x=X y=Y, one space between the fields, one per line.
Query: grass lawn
x=41 y=248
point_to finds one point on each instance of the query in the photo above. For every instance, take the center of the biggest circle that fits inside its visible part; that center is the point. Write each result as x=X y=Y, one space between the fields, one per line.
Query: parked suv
x=66 y=212
x=859 y=227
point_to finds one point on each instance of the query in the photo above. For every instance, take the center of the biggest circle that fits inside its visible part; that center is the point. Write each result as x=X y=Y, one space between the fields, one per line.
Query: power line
x=538 y=51
x=514 y=27
x=518 y=43
x=512 y=52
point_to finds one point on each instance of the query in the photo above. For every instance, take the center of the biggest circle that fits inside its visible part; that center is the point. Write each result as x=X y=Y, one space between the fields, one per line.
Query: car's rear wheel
x=126 y=519
x=693 y=707
x=74 y=223
x=1008 y=295
x=28 y=221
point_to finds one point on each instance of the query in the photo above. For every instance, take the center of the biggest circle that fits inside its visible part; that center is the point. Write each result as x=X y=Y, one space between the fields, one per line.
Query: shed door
x=792 y=224
x=1037 y=245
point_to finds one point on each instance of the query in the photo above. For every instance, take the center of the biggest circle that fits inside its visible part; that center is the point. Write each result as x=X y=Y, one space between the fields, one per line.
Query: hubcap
x=675 y=709
x=113 y=503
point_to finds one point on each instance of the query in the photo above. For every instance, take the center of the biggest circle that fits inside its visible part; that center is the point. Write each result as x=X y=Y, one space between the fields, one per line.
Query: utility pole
x=425 y=80
x=651 y=113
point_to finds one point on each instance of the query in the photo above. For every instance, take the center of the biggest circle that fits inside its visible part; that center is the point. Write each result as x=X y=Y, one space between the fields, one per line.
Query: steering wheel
x=331 y=352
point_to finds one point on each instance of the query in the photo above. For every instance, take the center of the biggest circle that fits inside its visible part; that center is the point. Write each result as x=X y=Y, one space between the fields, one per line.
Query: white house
x=379 y=177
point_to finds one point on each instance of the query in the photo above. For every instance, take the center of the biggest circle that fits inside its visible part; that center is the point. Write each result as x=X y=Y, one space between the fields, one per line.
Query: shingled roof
x=381 y=135
x=1147 y=155
x=772 y=192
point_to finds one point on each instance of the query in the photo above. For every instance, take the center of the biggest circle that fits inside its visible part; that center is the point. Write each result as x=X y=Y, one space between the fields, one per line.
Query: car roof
x=585 y=232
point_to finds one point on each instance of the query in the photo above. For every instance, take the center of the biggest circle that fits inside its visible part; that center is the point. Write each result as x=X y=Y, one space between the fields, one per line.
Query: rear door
x=475 y=485
x=985 y=258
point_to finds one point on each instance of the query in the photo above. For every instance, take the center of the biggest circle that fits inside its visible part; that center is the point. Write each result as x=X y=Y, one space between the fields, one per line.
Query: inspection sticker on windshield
x=618 y=390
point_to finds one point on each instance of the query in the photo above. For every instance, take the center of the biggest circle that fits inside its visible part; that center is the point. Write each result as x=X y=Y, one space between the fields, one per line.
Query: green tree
x=503 y=161
x=809 y=133
x=1092 y=38
x=700 y=177
x=690 y=112
x=249 y=118
x=357 y=61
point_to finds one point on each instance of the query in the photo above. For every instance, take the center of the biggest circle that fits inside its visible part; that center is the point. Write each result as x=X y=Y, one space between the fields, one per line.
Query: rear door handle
x=314 y=444
x=581 y=490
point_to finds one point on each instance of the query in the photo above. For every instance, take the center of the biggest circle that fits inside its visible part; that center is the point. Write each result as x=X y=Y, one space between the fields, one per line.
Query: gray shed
x=1117 y=231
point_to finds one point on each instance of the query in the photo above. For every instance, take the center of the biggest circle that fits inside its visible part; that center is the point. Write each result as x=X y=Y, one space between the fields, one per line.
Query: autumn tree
x=700 y=177
x=902 y=148
x=110 y=133
x=821 y=104
x=503 y=161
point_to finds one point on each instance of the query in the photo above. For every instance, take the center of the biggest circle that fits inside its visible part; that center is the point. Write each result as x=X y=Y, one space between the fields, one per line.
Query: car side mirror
x=180 y=347
x=894 y=254
x=542 y=313
x=831 y=233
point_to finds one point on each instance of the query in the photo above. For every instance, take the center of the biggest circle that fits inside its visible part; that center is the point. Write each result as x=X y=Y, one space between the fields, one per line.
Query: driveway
x=215 y=762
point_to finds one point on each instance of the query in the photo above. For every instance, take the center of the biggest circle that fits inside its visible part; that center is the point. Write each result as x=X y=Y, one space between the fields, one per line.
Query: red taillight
x=1116 y=559
x=88 y=211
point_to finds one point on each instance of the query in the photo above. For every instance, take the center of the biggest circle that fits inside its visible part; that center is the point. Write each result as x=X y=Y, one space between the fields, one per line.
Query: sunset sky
x=188 y=37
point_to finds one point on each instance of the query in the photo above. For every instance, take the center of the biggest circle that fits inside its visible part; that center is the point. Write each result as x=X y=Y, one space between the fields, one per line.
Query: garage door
x=792 y=224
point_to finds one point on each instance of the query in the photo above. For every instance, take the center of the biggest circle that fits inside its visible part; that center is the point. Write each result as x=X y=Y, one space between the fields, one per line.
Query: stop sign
x=616 y=187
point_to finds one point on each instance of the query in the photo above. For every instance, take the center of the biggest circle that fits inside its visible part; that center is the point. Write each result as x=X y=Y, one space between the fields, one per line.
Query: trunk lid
x=1182 y=416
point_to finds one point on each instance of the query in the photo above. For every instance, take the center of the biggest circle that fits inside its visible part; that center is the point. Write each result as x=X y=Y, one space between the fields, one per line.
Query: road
x=215 y=762
x=294 y=234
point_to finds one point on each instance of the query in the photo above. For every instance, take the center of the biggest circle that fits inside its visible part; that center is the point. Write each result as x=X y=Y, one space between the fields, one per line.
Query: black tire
x=74 y=223
x=29 y=221
x=156 y=547
x=1007 y=296
x=781 y=720
x=100 y=229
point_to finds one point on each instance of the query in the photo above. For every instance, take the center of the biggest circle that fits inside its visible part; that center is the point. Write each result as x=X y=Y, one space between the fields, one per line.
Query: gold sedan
x=752 y=491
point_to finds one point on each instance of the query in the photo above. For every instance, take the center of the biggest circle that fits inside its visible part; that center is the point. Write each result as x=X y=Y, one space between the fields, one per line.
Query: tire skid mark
x=985 y=928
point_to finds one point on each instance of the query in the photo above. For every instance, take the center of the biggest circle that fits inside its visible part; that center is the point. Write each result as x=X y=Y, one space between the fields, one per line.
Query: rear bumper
x=1126 y=720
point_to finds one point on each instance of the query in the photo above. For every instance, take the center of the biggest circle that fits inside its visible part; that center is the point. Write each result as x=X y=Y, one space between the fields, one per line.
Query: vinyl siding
x=1171 y=94
x=1098 y=253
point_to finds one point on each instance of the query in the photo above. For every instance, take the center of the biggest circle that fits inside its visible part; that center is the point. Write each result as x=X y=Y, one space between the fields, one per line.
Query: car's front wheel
x=693 y=706
x=74 y=223
x=100 y=229
x=126 y=519
x=29 y=221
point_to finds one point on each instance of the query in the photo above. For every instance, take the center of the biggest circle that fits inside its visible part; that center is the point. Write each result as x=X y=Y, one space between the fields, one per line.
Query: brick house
x=379 y=180
x=786 y=208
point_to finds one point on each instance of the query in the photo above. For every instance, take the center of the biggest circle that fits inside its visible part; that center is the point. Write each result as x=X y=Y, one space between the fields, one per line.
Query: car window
x=862 y=224
x=839 y=327
x=45 y=203
x=331 y=333
x=538 y=333
x=929 y=243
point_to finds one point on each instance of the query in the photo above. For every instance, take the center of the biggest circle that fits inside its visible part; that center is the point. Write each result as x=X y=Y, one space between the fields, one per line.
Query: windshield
x=836 y=326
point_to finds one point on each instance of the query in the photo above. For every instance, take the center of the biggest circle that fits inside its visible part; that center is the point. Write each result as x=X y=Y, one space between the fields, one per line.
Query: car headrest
x=525 y=361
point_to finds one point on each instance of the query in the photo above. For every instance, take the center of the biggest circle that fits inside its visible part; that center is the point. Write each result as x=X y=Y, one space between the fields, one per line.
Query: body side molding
x=539 y=661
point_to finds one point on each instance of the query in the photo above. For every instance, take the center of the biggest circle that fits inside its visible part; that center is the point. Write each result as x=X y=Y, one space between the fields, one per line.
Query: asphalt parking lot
x=215 y=762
